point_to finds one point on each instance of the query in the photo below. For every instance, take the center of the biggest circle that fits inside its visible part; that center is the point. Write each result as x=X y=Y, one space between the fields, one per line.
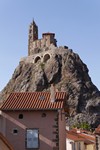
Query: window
x=73 y=145
x=43 y=115
x=15 y=131
x=20 y=116
x=32 y=138
x=79 y=146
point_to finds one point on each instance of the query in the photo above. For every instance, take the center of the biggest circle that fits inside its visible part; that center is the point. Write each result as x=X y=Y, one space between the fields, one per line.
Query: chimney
x=67 y=127
x=52 y=93
x=78 y=131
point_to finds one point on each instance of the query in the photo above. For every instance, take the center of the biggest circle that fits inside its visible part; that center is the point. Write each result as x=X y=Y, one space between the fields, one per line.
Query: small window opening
x=15 y=131
x=43 y=114
x=20 y=116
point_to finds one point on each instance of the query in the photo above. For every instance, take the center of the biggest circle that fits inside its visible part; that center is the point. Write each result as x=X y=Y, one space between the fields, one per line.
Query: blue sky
x=76 y=24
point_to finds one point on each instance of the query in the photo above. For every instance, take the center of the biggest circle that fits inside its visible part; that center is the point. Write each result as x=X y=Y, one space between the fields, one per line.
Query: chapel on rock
x=33 y=41
x=40 y=49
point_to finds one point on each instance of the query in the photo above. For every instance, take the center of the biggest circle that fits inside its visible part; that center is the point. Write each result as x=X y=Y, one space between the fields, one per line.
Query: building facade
x=77 y=139
x=4 y=144
x=41 y=50
x=97 y=133
x=34 y=121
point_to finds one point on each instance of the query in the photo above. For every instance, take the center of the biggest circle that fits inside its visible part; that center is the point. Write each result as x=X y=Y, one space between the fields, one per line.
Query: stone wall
x=46 y=41
x=43 y=56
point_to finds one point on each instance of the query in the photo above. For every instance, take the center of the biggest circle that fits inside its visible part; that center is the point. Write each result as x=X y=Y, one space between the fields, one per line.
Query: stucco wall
x=0 y=123
x=32 y=120
x=62 y=132
x=90 y=147
x=77 y=143
x=68 y=144
x=3 y=146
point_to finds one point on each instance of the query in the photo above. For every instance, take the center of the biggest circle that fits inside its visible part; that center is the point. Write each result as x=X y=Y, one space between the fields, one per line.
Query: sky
x=76 y=24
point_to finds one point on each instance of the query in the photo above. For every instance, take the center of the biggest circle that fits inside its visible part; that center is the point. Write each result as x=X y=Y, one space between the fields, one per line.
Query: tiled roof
x=85 y=134
x=73 y=136
x=33 y=100
x=80 y=136
x=6 y=143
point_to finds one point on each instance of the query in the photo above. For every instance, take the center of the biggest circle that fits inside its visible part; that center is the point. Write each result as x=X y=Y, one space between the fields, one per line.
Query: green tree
x=82 y=125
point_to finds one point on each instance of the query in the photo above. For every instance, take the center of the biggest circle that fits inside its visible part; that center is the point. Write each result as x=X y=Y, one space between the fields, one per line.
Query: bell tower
x=33 y=35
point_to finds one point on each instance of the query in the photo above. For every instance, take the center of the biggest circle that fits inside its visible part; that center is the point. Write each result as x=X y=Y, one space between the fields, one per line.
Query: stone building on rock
x=34 y=43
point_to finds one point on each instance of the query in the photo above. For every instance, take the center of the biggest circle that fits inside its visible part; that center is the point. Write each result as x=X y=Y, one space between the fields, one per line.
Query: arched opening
x=46 y=57
x=37 y=59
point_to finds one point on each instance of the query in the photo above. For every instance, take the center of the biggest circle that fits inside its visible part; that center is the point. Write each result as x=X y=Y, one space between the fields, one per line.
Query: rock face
x=67 y=71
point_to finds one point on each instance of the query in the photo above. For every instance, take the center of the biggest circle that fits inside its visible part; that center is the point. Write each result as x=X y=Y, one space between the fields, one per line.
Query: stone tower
x=33 y=35
x=36 y=45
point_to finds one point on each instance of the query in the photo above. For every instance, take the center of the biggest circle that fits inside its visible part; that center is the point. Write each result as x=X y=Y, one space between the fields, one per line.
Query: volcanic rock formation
x=67 y=71
x=47 y=64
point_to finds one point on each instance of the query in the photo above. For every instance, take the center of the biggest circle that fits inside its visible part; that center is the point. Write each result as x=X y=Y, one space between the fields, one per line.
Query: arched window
x=46 y=57
x=37 y=59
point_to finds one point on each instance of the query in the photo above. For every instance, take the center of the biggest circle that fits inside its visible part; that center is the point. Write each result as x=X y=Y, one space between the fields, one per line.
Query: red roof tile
x=87 y=138
x=74 y=136
x=33 y=100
